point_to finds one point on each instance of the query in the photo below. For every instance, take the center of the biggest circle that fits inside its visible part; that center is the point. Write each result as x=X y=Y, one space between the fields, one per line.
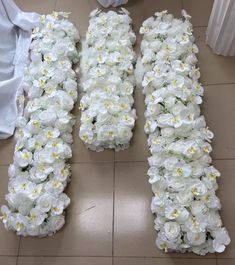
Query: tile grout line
x=223 y=159
x=218 y=84
x=199 y=26
x=55 y=5
x=130 y=257
x=18 y=251
x=9 y=256
x=114 y=183
x=127 y=161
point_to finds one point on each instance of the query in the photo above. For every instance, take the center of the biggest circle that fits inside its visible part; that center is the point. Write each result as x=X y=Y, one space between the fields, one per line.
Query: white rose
x=44 y=202
x=47 y=117
x=196 y=239
x=221 y=240
x=172 y=230
x=56 y=222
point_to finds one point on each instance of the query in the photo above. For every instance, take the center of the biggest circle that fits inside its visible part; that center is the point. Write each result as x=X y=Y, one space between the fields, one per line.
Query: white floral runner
x=181 y=175
x=108 y=81
x=39 y=172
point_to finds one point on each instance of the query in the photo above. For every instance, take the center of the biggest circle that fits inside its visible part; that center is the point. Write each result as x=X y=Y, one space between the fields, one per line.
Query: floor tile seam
x=137 y=161
x=199 y=26
x=18 y=251
x=118 y=256
x=8 y=256
x=91 y=162
x=218 y=258
x=63 y=256
x=218 y=84
x=113 y=223
x=55 y=5
x=127 y=161
x=160 y=257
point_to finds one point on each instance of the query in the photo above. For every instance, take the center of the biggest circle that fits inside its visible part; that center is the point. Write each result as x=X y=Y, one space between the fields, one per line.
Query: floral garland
x=182 y=177
x=107 y=65
x=39 y=172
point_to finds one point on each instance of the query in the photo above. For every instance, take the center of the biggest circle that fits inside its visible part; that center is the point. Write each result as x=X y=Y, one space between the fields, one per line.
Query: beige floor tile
x=138 y=150
x=8 y=260
x=226 y=194
x=80 y=11
x=225 y=261
x=137 y=48
x=219 y=109
x=134 y=234
x=88 y=229
x=200 y=11
x=133 y=261
x=214 y=68
x=63 y=261
x=9 y=242
x=42 y=6
x=6 y=151
x=133 y=221
x=163 y=261
x=80 y=152
x=139 y=10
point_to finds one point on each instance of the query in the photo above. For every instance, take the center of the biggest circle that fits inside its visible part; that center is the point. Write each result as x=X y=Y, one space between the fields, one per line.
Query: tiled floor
x=109 y=220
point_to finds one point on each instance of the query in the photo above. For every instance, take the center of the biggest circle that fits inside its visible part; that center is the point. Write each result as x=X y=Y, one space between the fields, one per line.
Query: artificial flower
x=39 y=173
x=108 y=81
x=182 y=177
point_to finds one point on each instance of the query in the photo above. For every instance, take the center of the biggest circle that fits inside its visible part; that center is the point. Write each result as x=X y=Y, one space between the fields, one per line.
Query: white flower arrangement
x=182 y=177
x=108 y=81
x=40 y=172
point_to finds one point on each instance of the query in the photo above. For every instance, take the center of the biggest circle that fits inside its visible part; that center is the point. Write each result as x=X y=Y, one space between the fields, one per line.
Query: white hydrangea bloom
x=108 y=81
x=39 y=173
x=182 y=177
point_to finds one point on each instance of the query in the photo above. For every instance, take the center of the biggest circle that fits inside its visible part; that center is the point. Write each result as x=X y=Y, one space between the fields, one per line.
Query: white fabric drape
x=107 y=3
x=220 y=34
x=15 y=38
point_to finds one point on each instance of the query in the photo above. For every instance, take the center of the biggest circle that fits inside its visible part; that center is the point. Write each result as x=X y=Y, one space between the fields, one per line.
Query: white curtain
x=220 y=34
x=15 y=38
x=107 y=3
